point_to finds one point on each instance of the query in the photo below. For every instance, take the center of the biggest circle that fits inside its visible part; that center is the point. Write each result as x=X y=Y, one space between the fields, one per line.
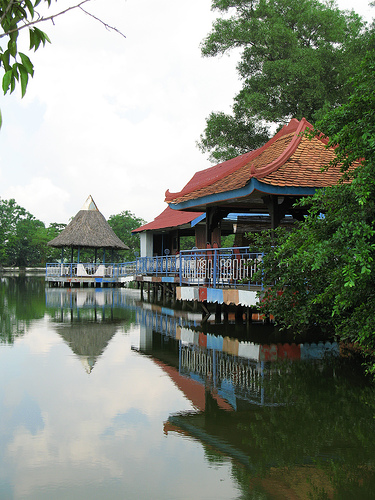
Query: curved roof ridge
x=296 y=128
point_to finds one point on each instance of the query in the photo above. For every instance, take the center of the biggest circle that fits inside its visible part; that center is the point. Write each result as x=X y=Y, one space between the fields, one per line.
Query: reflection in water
x=164 y=409
x=21 y=300
x=87 y=319
x=299 y=417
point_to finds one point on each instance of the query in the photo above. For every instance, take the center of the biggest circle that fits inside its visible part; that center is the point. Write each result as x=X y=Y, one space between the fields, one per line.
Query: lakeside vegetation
x=24 y=238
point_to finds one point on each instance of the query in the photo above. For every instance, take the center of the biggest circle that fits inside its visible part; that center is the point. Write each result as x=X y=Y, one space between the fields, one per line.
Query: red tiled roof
x=169 y=218
x=288 y=159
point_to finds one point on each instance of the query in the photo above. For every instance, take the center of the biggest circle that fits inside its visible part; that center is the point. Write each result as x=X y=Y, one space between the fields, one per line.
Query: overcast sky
x=115 y=117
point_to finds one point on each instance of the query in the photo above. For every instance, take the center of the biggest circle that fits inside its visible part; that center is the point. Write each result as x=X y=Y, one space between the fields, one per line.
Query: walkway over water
x=221 y=275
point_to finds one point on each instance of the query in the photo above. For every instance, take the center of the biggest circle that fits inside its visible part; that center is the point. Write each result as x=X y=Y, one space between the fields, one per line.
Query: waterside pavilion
x=87 y=230
x=267 y=181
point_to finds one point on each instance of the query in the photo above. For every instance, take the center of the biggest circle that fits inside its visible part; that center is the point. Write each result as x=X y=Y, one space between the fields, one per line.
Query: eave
x=240 y=196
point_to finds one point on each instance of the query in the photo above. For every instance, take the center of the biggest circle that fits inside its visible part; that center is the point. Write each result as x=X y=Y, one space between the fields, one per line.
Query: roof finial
x=89 y=204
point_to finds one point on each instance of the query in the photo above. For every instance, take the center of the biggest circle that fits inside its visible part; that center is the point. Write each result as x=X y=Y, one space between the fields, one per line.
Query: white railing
x=81 y=270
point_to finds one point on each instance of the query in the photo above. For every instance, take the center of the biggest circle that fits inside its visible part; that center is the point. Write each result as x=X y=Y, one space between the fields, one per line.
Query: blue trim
x=167 y=311
x=198 y=219
x=167 y=279
x=253 y=185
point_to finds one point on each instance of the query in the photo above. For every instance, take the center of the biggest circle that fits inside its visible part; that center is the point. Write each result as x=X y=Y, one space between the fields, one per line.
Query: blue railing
x=158 y=266
x=214 y=267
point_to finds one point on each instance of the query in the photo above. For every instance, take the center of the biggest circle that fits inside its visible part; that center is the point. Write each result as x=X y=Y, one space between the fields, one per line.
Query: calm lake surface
x=105 y=396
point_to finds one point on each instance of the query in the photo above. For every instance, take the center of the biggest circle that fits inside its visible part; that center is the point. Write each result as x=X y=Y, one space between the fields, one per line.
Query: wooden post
x=239 y=314
x=218 y=313
x=225 y=310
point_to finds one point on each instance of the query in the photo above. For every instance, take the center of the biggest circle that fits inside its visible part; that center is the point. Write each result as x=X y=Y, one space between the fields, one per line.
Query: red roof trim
x=169 y=218
x=287 y=153
x=209 y=176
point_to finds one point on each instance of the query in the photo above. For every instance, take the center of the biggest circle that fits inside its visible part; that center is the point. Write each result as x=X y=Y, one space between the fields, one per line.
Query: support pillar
x=239 y=314
x=218 y=313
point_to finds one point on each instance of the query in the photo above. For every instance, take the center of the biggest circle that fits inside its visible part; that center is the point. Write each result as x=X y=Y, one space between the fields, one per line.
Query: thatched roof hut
x=88 y=229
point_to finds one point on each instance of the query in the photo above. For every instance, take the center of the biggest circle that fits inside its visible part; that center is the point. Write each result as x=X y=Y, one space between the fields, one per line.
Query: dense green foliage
x=123 y=224
x=296 y=59
x=324 y=271
x=23 y=238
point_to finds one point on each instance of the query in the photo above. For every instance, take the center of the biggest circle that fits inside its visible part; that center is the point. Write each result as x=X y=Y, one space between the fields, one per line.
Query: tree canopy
x=123 y=224
x=323 y=273
x=296 y=60
x=23 y=238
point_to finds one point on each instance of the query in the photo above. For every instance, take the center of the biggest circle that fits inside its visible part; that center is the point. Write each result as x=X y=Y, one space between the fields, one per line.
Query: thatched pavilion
x=88 y=229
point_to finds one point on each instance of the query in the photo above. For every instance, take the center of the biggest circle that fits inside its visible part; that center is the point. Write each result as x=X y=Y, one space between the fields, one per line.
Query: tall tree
x=229 y=136
x=324 y=272
x=296 y=59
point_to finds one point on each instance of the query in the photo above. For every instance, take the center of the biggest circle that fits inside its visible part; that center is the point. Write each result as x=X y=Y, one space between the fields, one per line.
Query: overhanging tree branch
x=53 y=16
x=107 y=26
x=16 y=15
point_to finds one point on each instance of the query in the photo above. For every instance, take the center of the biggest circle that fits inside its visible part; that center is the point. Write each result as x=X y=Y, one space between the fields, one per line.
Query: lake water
x=105 y=396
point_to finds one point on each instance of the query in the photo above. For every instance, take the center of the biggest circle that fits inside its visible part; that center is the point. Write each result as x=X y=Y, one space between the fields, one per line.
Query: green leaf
x=6 y=80
x=33 y=39
x=5 y=59
x=15 y=71
x=38 y=36
x=13 y=84
x=24 y=79
x=27 y=63
x=29 y=5
x=12 y=46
